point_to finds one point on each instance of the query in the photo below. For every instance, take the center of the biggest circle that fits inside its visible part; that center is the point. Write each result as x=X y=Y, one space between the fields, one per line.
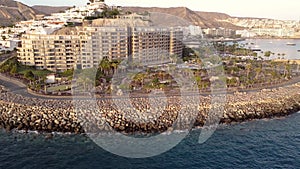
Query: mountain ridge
x=198 y=18
x=48 y=10
x=14 y=11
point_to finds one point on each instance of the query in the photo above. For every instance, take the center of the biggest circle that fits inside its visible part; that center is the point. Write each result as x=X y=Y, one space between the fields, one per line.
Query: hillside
x=13 y=11
x=48 y=10
x=185 y=16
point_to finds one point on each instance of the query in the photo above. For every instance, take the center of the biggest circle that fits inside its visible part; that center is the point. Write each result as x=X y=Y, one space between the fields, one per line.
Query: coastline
x=279 y=38
x=51 y=115
x=30 y=111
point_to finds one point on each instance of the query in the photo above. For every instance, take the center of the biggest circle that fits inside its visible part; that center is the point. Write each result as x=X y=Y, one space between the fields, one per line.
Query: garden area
x=240 y=73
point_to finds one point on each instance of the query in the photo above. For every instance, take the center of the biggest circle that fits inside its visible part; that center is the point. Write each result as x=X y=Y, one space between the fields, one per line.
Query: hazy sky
x=277 y=9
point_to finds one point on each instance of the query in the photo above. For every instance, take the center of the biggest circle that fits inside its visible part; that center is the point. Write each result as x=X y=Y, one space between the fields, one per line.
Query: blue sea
x=273 y=143
x=276 y=46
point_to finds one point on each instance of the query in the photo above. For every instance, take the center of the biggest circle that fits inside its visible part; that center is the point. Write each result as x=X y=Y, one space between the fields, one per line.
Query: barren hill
x=169 y=16
x=13 y=11
x=48 y=10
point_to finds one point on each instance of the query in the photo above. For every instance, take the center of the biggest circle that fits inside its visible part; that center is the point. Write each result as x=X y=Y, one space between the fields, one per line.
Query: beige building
x=150 y=45
x=99 y=42
x=52 y=52
x=176 y=41
x=85 y=47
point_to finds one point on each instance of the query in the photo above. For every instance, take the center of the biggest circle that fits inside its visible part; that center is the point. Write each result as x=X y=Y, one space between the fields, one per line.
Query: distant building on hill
x=93 y=1
x=219 y=32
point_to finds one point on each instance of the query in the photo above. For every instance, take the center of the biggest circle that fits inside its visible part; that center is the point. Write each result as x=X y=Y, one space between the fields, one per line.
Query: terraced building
x=85 y=47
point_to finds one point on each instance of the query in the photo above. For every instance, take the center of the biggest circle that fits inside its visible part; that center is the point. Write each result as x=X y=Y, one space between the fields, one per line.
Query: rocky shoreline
x=48 y=115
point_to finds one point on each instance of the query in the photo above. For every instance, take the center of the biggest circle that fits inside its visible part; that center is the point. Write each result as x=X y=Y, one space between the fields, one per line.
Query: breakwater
x=48 y=115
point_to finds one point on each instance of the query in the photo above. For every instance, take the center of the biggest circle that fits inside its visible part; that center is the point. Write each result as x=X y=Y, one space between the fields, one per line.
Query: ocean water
x=257 y=144
x=276 y=46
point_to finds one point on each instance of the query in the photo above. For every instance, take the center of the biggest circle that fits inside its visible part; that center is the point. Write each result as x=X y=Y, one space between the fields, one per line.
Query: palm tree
x=173 y=58
x=114 y=67
x=105 y=66
x=140 y=78
x=248 y=69
x=85 y=81
x=258 y=72
x=273 y=69
x=198 y=80
x=287 y=70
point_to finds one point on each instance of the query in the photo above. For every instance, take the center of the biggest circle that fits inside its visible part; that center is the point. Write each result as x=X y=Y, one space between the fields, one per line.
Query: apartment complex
x=176 y=41
x=98 y=42
x=52 y=52
x=86 y=47
x=265 y=32
x=222 y=32
x=151 y=46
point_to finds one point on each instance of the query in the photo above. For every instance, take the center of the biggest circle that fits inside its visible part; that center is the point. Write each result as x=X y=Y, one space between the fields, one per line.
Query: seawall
x=18 y=112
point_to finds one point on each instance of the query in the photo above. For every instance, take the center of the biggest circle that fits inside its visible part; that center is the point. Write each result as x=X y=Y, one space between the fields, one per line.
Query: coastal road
x=18 y=87
x=13 y=85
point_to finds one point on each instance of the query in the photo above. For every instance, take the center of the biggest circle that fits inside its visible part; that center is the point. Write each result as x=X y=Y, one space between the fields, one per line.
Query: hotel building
x=52 y=52
x=86 y=47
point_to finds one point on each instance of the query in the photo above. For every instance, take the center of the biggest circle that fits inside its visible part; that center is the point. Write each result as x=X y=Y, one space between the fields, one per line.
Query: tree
x=13 y=70
x=68 y=73
x=114 y=66
x=140 y=77
x=267 y=53
x=187 y=53
x=87 y=78
x=29 y=75
x=105 y=66
x=113 y=12
x=287 y=70
x=248 y=69
x=231 y=82
x=198 y=80
x=258 y=71
x=155 y=82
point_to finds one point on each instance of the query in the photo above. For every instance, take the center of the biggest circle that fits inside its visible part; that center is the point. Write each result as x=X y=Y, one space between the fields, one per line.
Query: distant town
x=109 y=51
x=46 y=25
x=45 y=52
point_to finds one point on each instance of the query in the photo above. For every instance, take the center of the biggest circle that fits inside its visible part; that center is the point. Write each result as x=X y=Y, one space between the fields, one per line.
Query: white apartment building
x=266 y=32
x=219 y=32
